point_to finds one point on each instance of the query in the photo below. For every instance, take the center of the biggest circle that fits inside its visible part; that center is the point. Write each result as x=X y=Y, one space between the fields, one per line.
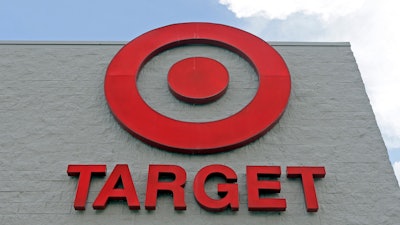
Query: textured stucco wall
x=53 y=113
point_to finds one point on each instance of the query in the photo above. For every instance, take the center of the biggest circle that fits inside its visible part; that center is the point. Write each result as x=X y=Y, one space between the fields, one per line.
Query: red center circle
x=198 y=80
x=253 y=121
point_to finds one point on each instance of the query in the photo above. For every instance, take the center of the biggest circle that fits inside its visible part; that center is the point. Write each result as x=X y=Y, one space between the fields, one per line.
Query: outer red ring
x=251 y=122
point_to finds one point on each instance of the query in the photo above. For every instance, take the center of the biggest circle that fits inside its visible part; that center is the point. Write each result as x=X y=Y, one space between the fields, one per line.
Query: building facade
x=54 y=114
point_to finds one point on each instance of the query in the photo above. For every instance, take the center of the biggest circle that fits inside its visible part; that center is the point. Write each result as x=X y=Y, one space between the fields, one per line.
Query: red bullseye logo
x=197 y=80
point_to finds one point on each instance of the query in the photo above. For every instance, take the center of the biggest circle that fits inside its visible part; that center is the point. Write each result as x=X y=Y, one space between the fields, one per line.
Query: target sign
x=202 y=83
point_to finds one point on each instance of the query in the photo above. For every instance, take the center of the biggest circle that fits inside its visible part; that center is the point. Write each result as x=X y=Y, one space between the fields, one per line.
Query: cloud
x=371 y=27
x=396 y=167
x=273 y=9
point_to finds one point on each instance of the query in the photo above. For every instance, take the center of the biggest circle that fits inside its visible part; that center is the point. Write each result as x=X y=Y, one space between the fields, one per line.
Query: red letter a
x=110 y=191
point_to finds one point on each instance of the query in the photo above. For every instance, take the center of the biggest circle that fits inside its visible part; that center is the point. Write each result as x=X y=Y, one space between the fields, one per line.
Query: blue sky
x=371 y=27
x=100 y=19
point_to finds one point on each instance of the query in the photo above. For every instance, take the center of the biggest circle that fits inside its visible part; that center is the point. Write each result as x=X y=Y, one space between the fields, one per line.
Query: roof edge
x=63 y=42
x=273 y=43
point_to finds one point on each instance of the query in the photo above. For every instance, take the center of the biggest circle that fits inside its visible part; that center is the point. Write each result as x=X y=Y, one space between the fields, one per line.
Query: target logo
x=197 y=80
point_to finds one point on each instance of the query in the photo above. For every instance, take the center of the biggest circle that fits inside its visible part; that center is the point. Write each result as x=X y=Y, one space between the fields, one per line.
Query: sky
x=371 y=26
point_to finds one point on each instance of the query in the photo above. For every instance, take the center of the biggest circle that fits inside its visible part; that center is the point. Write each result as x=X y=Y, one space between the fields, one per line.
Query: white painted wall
x=53 y=113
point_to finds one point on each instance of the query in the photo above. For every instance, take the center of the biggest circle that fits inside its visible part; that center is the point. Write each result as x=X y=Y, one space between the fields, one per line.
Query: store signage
x=145 y=123
x=190 y=81
x=176 y=186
